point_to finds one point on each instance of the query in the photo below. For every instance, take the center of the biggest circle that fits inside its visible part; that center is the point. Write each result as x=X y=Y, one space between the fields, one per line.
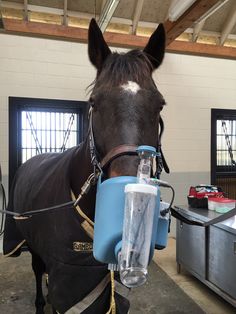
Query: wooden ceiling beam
x=44 y=30
x=26 y=16
x=136 y=16
x=77 y=14
x=198 y=26
x=193 y=14
x=197 y=29
x=1 y=21
x=113 y=39
x=229 y=25
x=184 y=47
x=65 y=19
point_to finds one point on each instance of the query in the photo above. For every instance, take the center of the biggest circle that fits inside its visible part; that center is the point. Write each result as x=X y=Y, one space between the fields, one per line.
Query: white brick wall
x=44 y=68
x=32 y=67
x=192 y=86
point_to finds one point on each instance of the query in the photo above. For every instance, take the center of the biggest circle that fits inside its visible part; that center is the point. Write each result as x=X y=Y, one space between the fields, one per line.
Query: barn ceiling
x=203 y=27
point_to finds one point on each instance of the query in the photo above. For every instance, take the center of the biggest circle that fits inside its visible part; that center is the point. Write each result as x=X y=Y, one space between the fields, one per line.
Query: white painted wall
x=44 y=68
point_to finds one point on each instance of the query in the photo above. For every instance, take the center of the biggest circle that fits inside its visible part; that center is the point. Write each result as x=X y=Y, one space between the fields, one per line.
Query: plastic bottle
x=139 y=212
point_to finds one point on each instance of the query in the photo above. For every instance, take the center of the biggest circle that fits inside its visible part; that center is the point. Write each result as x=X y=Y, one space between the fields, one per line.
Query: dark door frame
x=216 y=114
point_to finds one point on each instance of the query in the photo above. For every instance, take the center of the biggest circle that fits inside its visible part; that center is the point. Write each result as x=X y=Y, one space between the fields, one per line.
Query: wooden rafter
x=197 y=29
x=1 y=22
x=113 y=39
x=136 y=16
x=206 y=50
x=199 y=25
x=174 y=29
x=26 y=17
x=65 y=19
x=229 y=25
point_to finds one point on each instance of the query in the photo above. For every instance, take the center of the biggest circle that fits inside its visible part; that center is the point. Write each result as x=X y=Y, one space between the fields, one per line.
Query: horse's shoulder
x=47 y=159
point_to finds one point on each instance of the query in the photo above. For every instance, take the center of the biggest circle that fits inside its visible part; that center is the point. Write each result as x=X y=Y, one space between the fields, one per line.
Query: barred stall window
x=226 y=142
x=39 y=126
x=223 y=150
x=44 y=132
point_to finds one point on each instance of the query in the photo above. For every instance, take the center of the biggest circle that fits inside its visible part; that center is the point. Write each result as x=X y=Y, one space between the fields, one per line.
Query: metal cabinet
x=209 y=253
x=190 y=250
x=222 y=260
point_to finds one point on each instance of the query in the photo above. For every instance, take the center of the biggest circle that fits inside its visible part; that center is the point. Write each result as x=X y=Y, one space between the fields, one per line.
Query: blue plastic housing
x=109 y=215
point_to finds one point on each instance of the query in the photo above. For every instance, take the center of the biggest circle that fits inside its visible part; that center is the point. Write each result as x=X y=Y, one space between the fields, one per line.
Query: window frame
x=219 y=171
x=19 y=104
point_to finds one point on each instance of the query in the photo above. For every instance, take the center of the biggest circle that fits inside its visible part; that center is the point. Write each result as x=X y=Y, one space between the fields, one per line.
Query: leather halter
x=118 y=151
x=125 y=149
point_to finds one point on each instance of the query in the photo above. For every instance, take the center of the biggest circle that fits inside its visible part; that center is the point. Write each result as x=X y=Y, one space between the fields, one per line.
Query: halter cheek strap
x=160 y=160
x=125 y=149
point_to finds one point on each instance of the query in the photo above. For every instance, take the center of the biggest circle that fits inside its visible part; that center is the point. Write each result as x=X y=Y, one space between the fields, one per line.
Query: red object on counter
x=201 y=191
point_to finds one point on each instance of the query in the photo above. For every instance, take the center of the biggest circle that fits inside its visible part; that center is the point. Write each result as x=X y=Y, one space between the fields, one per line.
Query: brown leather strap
x=117 y=151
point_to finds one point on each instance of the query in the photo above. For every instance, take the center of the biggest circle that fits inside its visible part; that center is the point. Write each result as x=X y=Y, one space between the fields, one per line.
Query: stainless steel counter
x=203 y=250
x=203 y=214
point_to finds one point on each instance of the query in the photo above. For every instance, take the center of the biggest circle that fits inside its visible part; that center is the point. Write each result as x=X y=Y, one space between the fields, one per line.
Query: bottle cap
x=146 y=148
x=141 y=188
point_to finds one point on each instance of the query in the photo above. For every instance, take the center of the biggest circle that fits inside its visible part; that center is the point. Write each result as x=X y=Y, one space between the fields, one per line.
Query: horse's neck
x=80 y=170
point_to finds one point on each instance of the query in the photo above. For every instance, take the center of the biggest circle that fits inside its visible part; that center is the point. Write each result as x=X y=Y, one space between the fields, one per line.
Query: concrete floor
x=209 y=301
x=19 y=298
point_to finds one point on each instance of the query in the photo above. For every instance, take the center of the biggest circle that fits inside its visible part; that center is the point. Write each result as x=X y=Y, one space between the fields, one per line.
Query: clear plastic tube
x=140 y=204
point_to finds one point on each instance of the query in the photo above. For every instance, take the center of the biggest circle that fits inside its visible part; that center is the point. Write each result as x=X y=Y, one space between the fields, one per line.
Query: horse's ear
x=97 y=48
x=155 y=48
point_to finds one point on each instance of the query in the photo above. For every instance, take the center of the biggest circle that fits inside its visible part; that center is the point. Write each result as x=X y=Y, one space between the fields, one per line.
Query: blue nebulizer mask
x=127 y=221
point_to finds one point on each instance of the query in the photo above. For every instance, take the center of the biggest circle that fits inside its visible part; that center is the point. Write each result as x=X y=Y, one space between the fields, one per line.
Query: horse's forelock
x=121 y=68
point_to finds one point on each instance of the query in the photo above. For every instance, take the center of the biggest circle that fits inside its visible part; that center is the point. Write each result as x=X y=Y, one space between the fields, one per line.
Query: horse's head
x=125 y=101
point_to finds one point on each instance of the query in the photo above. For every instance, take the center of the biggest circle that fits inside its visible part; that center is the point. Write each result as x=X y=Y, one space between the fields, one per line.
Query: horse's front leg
x=39 y=269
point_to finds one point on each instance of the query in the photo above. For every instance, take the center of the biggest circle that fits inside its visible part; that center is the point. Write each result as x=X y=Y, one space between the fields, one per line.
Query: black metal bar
x=213 y=146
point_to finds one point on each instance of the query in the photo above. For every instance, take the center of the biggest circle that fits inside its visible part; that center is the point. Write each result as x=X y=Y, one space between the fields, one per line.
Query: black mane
x=120 y=68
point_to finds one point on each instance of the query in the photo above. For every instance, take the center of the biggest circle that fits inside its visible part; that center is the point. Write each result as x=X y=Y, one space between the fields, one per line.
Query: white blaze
x=131 y=87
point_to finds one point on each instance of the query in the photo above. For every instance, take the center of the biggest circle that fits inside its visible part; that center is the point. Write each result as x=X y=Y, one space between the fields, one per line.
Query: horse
x=124 y=113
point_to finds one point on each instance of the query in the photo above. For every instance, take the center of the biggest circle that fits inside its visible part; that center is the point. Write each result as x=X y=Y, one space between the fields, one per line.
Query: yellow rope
x=79 y=210
x=15 y=249
x=112 y=309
